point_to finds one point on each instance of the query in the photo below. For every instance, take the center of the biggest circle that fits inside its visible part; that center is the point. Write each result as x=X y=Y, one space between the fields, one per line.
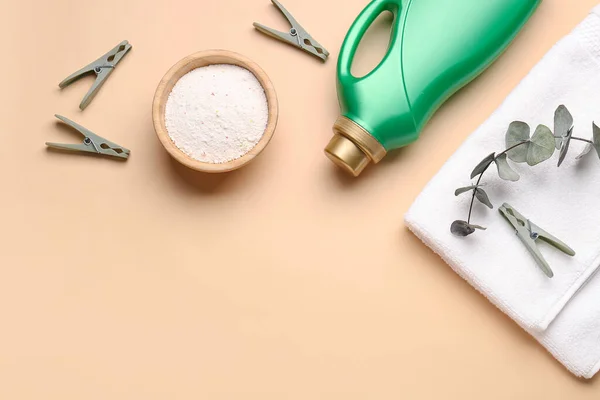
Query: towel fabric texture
x=562 y=313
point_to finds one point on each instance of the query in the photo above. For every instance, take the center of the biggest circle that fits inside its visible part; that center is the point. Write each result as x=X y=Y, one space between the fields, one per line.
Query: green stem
x=576 y=138
x=486 y=168
x=512 y=147
x=582 y=140
x=474 y=191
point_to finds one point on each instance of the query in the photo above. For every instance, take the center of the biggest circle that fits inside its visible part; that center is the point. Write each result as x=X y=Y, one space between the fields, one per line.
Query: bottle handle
x=358 y=29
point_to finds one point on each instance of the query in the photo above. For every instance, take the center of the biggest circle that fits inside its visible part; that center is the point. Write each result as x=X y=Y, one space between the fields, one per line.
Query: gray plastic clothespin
x=297 y=36
x=92 y=143
x=529 y=233
x=102 y=67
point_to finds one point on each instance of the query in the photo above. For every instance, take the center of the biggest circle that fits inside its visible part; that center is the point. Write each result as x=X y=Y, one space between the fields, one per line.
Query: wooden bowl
x=202 y=59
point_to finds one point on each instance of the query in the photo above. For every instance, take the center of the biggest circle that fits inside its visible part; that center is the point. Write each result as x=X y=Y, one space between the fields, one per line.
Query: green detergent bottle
x=436 y=47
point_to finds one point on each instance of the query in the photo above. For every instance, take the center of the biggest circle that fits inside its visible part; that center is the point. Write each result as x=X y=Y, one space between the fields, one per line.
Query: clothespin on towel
x=529 y=233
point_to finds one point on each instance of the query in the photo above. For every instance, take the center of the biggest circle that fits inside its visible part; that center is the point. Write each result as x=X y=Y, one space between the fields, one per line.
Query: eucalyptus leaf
x=518 y=132
x=465 y=189
x=589 y=146
x=504 y=170
x=483 y=165
x=596 y=138
x=586 y=150
x=563 y=122
x=461 y=228
x=541 y=147
x=482 y=196
x=566 y=142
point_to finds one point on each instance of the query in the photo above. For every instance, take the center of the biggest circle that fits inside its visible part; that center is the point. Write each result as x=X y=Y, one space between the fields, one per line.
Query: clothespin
x=529 y=233
x=297 y=36
x=102 y=67
x=92 y=143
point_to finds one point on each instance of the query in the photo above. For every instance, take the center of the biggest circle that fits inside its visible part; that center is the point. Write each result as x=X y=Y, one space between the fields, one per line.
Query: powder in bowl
x=217 y=113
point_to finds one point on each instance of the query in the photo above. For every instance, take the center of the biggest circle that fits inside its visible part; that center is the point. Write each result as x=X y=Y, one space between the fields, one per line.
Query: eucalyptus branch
x=484 y=171
x=523 y=148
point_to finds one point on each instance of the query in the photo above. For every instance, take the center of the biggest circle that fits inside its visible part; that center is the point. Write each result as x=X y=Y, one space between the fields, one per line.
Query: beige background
x=284 y=280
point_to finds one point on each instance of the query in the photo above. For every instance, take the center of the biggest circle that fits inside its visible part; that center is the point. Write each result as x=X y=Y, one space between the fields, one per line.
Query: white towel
x=562 y=313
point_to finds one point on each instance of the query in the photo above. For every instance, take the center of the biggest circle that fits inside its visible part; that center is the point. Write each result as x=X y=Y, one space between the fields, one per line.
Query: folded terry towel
x=562 y=313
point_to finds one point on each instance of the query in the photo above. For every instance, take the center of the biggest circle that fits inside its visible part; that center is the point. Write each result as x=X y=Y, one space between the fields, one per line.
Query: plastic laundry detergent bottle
x=436 y=47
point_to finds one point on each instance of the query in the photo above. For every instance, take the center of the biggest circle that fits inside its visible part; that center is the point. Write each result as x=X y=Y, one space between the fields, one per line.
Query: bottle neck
x=352 y=147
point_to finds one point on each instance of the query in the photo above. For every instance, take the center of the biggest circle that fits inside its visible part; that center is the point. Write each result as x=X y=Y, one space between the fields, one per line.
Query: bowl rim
x=198 y=60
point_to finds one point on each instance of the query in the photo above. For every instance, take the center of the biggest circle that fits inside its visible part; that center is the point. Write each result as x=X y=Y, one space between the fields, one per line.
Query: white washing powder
x=217 y=113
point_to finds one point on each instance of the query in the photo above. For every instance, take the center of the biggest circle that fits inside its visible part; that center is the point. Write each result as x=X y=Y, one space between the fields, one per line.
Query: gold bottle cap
x=352 y=147
x=345 y=154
